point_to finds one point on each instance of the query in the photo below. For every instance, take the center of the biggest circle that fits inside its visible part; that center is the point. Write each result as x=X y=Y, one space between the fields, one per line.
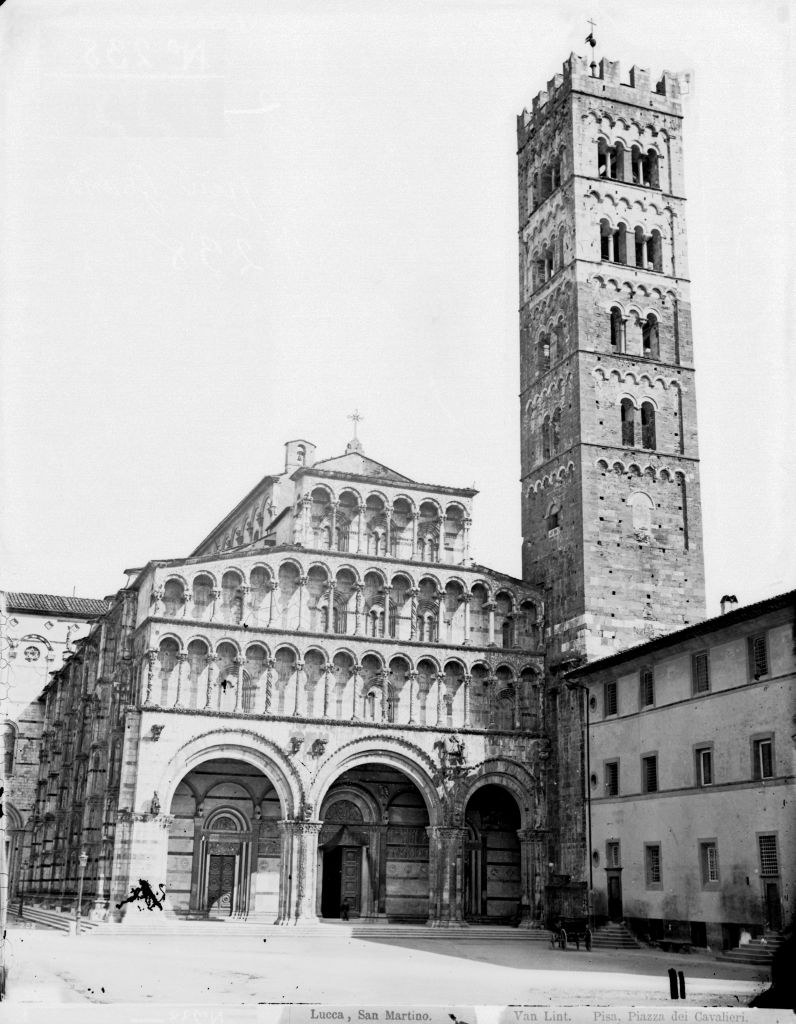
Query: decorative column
x=302 y=590
x=215 y=593
x=209 y=660
x=330 y=606
x=238 y=662
x=466 y=540
x=357 y=607
x=414 y=516
x=444 y=871
x=388 y=532
x=387 y=630
x=245 y=590
x=182 y=657
x=384 y=685
x=269 y=684
x=358 y=513
x=327 y=670
x=412 y=680
x=492 y=624
x=413 y=613
x=354 y=681
x=466 y=699
x=440 y=683
x=516 y=705
x=298 y=870
x=299 y=674
x=533 y=843
x=467 y=599
x=441 y=545
x=333 y=525
x=489 y=685
x=440 y=616
x=306 y=518
x=151 y=657
x=271 y=588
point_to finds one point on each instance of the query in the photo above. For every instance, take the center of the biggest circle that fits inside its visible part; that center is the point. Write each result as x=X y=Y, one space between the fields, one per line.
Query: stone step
x=614 y=936
x=152 y=925
x=53 y=919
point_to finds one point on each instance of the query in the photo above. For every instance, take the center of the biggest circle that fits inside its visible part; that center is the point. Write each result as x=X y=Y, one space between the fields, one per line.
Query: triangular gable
x=358 y=465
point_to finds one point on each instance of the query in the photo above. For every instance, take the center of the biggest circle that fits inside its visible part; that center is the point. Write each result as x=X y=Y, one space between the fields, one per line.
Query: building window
x=612 y=854
x=553 y=518
x=609 y=698
x=709 y=863
x=769 y=861
x=652 y=865
x=612 y=778
x=700 y=672
x=647 y=688
x=649 y=773
x=648 y=426
x=763 y=758
x=758 y=655
x=704 y=766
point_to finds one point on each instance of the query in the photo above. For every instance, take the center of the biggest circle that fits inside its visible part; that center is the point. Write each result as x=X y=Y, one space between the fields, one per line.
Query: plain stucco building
x=691 y=777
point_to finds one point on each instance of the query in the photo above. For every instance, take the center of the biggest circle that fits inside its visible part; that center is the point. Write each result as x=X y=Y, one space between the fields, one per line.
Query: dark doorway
x=220 y=884
x=773 y=907
x=615 y=896
x=332 y=877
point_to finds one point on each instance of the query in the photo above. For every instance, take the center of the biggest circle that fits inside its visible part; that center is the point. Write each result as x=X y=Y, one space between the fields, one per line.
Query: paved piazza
x=48 y=968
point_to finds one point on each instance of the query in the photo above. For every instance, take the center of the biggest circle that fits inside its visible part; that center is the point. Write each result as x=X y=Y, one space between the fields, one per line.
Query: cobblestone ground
x=48 y=968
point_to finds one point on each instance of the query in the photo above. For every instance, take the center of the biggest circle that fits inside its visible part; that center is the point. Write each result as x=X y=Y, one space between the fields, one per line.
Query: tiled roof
x=52 y=604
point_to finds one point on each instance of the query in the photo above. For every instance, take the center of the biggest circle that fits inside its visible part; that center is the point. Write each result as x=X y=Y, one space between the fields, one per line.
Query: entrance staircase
x=614 y=936
x=64 y=922
x=759 y=951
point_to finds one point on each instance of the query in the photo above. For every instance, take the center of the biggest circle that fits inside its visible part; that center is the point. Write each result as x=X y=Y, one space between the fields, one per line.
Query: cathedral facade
x=328 y=708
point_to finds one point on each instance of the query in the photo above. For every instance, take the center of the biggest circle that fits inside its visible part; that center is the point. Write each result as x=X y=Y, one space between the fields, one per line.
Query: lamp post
x=23 y=870
x=83 y=861
x=584 y=689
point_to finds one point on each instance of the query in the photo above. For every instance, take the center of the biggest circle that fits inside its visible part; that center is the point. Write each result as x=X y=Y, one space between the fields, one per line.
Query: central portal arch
x=373 y=847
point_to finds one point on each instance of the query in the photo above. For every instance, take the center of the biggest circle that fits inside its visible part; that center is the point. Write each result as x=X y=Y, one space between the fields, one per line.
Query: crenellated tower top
x=607 y=83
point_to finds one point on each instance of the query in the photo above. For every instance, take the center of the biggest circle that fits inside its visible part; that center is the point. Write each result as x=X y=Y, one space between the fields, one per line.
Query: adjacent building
x=691 y=778
x=38 y=632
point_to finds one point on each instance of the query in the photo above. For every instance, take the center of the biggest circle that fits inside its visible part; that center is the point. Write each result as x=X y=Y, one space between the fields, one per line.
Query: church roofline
x=270 y=478
x=403 y=481
x=707 y=626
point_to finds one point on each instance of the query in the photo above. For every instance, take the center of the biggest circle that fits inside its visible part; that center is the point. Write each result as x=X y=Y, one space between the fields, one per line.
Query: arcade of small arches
x=336 y=685
x=646 y=251
x=633 y=165
x=545 y=178
x=382 y=844
x=634 y=334
x=323 y=600
x=547 y=259
x=374 y=524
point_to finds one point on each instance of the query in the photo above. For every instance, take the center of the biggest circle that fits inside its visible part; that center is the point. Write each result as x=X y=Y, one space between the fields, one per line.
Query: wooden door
x=773 y=907
x=351 y=880
x=615 y=896
x=220 y=883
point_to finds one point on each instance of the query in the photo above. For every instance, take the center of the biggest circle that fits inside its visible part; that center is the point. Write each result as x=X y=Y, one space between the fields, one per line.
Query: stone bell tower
x=610 y=465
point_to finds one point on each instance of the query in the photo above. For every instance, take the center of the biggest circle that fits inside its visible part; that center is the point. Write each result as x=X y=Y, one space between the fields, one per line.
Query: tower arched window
x=546 y=438
x=553 y=518
x=544 y=353
x=620 y=244
x=648 y=425
x=628 y=415
x=506 y=633
x=655 y=252
x=547 y=182
x=617 y=330
x=640 y=243
x=650 y=337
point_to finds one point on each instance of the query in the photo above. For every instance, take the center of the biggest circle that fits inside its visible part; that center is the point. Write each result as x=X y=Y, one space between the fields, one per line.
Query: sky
x=228 y=225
